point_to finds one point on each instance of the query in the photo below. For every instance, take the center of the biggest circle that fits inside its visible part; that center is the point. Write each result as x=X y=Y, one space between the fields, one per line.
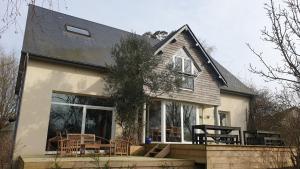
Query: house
x=61 y=84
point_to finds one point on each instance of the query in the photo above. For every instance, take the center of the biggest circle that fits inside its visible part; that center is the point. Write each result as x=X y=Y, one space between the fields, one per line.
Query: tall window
x=224 y=118
x=78 y=114
x=185 y=66
x=154 y=116
x=180 y=118
x=189 y=119
x=173 y=122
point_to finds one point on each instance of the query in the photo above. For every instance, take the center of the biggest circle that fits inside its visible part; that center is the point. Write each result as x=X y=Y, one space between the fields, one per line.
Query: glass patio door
x=98 y=122
x=79 y=115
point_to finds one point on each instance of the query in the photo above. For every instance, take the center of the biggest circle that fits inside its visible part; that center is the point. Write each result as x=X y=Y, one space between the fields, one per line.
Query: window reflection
x=84 y=100
x=173 y=122
x=98 y=122
x=189 y=119
x=63 y=119
x=66 y=116
x=155 y=121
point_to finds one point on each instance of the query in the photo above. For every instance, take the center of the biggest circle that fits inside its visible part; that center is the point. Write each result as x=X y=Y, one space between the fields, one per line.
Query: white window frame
x=181 y=54
x=182 y=63
x=163 y=122
x=85 y=107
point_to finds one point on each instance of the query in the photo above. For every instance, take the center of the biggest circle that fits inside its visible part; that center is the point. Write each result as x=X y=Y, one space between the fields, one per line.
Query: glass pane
x=77 y=30
x=83 y=100
x=188 y=82
x=187 y=66
x=173 y=122
x=189 y=119
x=155 y=121
x=223 y=119
x=178 y=64
x=98 y=122
x=63 y=119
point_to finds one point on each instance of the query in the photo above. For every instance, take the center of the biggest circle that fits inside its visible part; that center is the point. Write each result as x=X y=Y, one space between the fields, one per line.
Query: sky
x=226 y=25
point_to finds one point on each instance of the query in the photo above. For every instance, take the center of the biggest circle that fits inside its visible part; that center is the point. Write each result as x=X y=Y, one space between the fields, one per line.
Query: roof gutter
x=70 y=63
x=237 y=93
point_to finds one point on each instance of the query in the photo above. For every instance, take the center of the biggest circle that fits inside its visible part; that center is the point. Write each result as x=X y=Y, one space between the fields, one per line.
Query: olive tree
x=135 y=79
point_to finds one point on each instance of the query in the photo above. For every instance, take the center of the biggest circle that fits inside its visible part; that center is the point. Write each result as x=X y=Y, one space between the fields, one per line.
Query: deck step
x=159 y=151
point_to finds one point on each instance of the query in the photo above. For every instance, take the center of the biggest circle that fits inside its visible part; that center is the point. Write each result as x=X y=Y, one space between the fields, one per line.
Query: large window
x=179 y=120
x=78 y=114
x=154 y=125
x=173 y=122
x=189 y=119
x=155 y=121
x=185 y=66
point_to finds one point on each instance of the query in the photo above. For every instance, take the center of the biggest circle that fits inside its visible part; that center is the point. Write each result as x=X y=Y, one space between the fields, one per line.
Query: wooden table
x=97 y=147
x=218 y=137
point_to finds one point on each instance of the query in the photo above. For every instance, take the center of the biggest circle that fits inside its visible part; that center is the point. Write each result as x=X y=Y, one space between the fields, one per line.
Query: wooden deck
x=128 y=162
x=182 y=156
x=232 y=156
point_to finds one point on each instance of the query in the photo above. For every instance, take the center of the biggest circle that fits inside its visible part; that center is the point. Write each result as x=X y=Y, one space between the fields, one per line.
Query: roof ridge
x=31 y=6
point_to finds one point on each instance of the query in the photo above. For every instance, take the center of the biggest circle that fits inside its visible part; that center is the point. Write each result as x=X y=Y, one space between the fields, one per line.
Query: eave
x=197 y=44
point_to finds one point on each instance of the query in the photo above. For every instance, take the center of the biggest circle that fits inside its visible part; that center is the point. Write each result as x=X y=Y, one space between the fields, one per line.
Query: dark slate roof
x=233 y=83
x=46 y=37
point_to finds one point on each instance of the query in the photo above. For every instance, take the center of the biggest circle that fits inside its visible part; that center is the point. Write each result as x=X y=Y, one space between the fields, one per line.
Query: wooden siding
x=206 y=86
x=117 y=162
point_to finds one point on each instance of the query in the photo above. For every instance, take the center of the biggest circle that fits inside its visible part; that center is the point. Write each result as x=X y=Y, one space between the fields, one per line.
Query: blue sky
x=227 y=25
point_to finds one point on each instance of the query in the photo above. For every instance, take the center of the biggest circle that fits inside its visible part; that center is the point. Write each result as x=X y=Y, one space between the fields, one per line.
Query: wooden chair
x=105 y=145
x=53 y=140
x=120 y=147
x=68 y=147
x=176 y=133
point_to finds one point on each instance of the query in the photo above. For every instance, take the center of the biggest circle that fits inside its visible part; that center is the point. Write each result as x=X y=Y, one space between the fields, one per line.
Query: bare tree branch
x=9 y=17
x=8 y=75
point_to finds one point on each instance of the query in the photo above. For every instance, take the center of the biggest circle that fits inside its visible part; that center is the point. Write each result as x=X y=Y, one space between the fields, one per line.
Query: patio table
x=224 y=130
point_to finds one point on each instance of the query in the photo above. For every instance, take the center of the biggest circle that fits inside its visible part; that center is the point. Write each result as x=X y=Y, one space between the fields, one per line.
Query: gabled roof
x=173 y=35
x=46 y=38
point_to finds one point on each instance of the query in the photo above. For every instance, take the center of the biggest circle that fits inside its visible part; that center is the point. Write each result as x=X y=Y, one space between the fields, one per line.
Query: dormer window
x=77 y=30
x=185 y=66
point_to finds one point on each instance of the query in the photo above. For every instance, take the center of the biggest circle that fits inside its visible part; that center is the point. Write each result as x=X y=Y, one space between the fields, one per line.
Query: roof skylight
x=77 y=30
